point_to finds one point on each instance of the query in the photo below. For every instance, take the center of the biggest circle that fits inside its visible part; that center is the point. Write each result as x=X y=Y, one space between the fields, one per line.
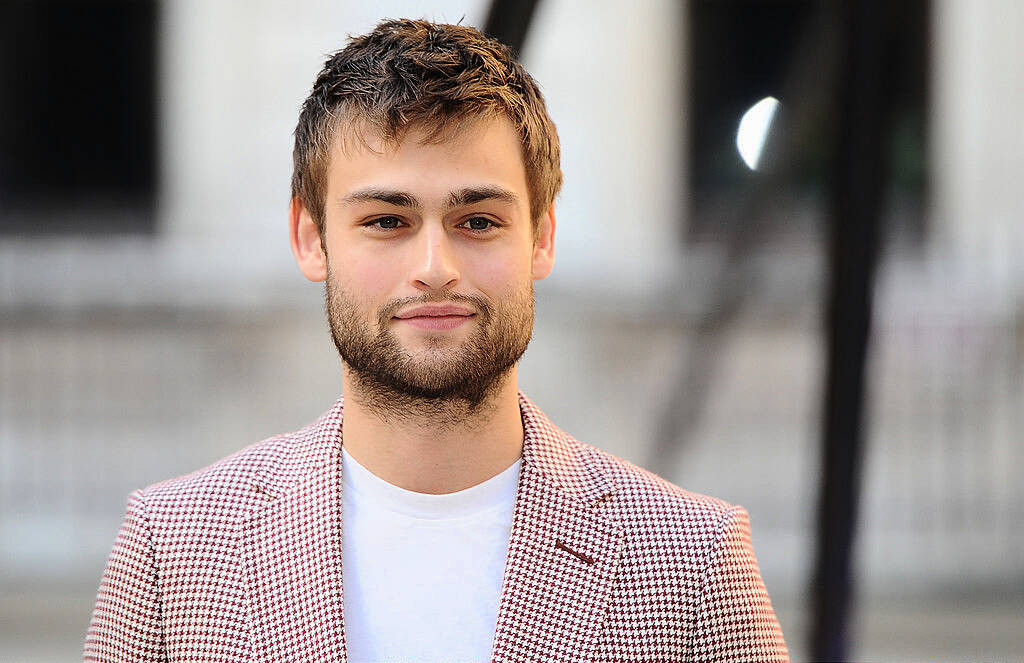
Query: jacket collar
x=291 y=548
x=563 y=554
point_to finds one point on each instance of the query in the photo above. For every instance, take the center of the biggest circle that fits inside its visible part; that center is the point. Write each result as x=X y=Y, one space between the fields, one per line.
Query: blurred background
x=828 y=301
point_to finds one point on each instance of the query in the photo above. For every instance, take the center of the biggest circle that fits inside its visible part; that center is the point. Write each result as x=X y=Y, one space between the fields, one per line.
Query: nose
x=434 y=264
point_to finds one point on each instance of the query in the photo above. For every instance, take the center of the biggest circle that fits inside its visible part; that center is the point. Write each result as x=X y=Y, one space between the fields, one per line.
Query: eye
x=385 y=223
x=479 y=223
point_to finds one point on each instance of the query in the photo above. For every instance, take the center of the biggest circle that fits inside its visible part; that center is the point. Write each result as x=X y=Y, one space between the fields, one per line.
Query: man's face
x=430 y=262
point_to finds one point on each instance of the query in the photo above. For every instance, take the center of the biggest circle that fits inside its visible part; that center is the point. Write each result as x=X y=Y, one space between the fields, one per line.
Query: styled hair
x=431 y=76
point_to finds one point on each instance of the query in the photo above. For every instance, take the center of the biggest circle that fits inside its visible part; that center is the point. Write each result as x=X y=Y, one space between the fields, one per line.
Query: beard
x=442 y=376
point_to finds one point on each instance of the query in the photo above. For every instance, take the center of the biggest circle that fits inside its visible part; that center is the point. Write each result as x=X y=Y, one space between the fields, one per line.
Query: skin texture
x=430 y=403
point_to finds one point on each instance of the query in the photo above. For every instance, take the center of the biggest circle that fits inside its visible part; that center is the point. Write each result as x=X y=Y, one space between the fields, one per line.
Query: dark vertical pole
x=508 y=21
x=857 y=177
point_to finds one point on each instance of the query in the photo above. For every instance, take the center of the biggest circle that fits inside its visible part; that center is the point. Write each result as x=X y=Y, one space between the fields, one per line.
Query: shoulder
x=222 y=490
x=233 y=486
x=644 y=504
x=223 y=476
x=641 y=487
x=650 y=505
x=672 y=537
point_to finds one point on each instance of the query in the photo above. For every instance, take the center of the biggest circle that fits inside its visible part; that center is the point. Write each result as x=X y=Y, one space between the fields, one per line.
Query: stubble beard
x=445 y=382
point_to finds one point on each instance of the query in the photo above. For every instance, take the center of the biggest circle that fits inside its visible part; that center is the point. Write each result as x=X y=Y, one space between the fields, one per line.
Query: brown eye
x=387 y=222
x=479 y=223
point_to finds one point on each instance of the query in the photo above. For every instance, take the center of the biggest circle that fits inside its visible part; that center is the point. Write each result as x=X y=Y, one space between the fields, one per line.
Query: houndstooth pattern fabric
x=607 y=562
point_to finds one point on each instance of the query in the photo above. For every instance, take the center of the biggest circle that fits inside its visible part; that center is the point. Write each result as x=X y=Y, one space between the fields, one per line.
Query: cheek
x=360 y=273
x=497 y=275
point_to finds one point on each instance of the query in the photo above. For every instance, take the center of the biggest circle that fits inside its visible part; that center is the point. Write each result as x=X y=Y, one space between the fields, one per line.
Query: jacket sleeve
x=735 y=620
x=126 y=621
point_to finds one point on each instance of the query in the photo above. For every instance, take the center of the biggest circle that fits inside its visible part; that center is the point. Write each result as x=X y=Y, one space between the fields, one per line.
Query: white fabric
x=422 y=573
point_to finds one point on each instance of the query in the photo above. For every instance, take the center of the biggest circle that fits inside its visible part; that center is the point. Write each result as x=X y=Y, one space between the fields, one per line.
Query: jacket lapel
x=291 y=550
x=563 y=555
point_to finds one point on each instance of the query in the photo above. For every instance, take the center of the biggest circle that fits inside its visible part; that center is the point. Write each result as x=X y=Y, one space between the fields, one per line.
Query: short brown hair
x=436 y=76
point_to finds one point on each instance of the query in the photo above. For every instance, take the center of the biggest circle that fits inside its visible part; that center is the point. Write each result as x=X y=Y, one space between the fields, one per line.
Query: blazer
x=241 y=561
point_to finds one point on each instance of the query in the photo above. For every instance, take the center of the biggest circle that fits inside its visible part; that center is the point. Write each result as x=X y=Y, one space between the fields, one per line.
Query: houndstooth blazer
x=241 y=561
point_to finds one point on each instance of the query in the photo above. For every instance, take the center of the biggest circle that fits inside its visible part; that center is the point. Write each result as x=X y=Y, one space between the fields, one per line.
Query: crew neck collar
x=495 y=492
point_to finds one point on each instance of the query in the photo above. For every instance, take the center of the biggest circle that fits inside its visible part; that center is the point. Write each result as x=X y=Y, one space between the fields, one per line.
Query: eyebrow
x=474 y=195
x=389 y=196
x=460 y=198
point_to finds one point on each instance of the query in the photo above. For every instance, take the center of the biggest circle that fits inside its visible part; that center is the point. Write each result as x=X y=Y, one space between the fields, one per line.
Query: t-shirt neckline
x=498 y=491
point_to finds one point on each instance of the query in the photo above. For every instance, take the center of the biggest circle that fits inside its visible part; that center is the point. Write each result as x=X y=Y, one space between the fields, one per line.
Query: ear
x=306 y=244
x=544 y=246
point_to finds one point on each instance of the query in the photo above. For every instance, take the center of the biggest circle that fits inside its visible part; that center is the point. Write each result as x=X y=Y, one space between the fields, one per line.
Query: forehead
x=478 y=151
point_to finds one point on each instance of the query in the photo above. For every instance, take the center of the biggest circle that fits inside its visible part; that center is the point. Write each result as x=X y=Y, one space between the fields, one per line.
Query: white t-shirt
x=422 y=573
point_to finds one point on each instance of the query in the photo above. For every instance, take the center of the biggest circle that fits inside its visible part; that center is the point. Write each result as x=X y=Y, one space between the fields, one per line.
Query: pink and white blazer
x=241 y=561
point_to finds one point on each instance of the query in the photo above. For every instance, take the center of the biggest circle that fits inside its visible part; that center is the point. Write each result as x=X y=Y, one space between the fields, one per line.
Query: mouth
x=436 y=322
x=436 y=316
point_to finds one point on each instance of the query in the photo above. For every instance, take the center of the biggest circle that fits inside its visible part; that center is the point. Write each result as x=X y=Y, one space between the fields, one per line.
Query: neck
x=434 y=446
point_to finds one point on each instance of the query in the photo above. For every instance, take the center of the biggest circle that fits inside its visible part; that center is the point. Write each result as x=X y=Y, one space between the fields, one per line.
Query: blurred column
x=857 y=176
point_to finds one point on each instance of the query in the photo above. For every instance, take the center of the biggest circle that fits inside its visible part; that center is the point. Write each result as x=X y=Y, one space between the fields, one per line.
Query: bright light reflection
x=754 y=130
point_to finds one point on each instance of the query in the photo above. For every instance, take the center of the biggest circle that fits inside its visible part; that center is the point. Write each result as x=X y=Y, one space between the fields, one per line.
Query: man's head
x=433 y=77
x=426 y=166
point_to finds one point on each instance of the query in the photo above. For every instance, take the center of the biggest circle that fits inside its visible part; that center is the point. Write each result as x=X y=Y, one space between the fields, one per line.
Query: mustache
x=477 y=303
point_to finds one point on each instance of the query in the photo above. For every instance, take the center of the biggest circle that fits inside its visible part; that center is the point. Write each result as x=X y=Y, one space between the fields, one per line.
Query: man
x=436 y=514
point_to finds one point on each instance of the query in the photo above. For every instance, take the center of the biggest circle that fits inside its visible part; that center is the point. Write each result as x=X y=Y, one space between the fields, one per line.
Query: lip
x=437 y=322
x=435 y=311
x=436 y=316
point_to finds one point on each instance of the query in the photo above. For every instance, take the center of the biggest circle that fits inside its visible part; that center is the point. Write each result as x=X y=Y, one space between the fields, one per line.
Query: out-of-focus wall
x=613 y=78
x=978 y=142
